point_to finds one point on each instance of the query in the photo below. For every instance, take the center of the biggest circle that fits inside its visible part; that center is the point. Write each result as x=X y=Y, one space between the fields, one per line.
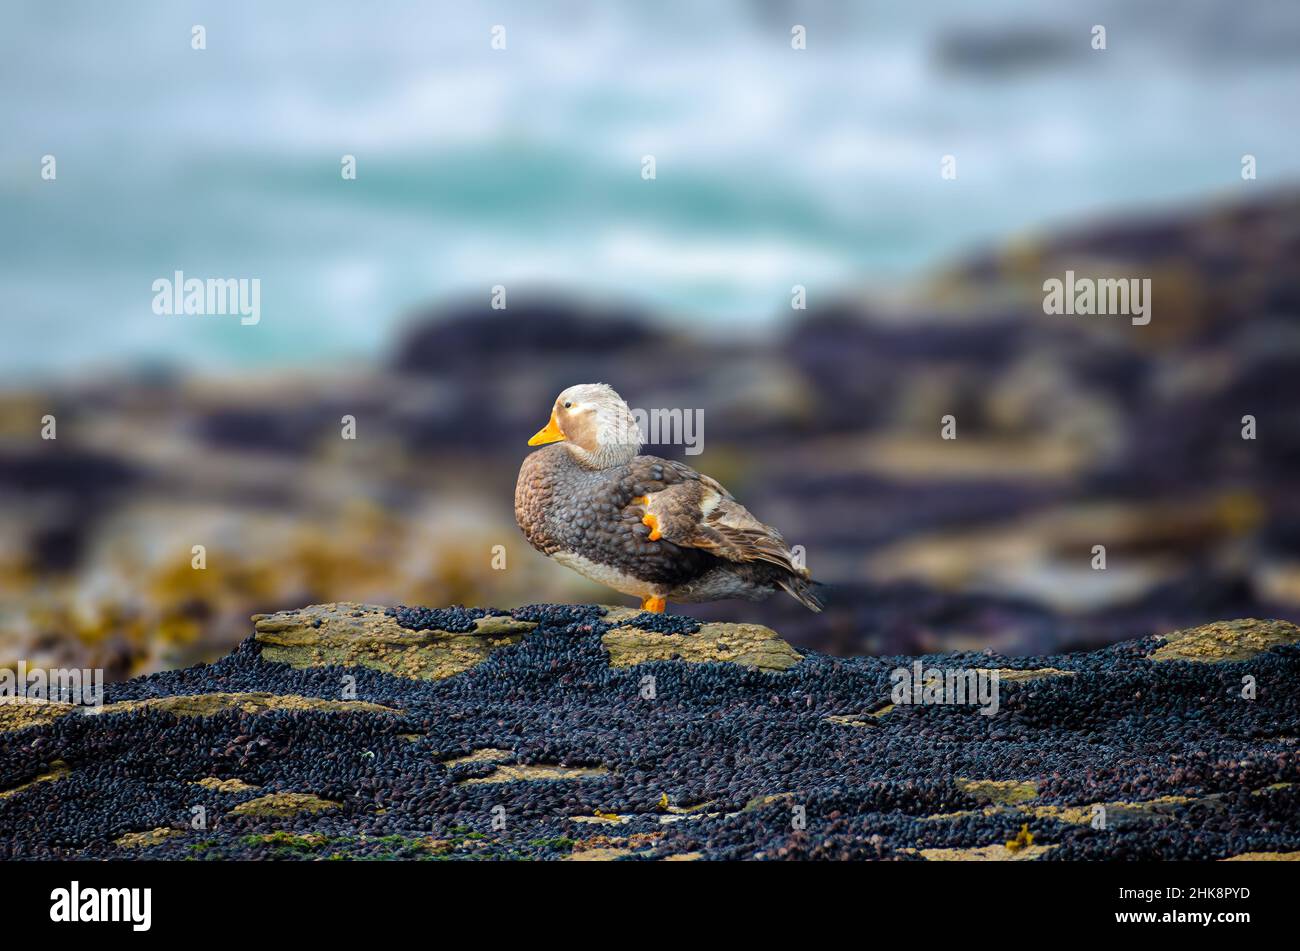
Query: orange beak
x=549 y=433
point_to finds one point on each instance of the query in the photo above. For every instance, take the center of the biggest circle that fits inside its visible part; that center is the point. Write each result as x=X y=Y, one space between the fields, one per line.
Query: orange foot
x=653 y=522
x=654 y=605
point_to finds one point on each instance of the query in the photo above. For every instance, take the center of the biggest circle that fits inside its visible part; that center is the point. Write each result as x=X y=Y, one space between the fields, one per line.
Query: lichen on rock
x=844 y=720
x=996 y=791
x=603 y=848
x=139 y=840
x=998 y=852
x=486 y=755
x=225 y=785
x=58 y=769
x=1226 y=641
x=209 y=704
x=1264 y=857
x=748 y=645
x=607 y=854
x=604 y=818
x=1017 y=675
x=873 y=718
x=19 y=713
x=509 y=773
x=284 y=805
x=364 y=635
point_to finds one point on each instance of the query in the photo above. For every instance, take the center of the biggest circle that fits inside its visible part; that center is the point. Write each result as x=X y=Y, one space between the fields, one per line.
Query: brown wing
x=699 y=513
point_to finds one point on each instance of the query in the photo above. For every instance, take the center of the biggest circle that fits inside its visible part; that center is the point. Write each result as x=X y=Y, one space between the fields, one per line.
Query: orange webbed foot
x=654 y=605
x=653 y=522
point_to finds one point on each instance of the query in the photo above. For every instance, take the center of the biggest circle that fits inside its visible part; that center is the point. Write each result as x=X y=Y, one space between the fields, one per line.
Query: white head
x=595 y=424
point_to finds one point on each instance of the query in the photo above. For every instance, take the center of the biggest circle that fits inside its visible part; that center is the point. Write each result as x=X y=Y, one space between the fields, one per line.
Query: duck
x=645 y=526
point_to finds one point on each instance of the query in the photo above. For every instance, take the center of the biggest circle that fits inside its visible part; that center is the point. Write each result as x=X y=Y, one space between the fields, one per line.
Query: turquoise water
x=522 y=167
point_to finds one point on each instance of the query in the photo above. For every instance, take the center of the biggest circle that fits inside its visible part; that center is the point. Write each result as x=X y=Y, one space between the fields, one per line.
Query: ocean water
x=522 y=166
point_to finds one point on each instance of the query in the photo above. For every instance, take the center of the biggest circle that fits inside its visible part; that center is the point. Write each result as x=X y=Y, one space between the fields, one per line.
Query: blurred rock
x=1071 y=432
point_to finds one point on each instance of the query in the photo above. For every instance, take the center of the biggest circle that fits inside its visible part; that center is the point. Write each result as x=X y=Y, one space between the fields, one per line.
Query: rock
x=604 y=848
x=208 y=704
x=306 y=840
x=999 y=852
x=618 y=613
x=603 y=818
x=540 y=771
x=1225 y=641
x=1264 y=857
x=348 y=634
x=758 y=802
x=863 y=720
x=489 y=755
x=284 y=805
x=18 y=713
x=1117 y=812
x=137 y=840
x=1013 y=675
x=848 y=721
x=21 y=713
x=225 y=785
x=1000 y=792
x=718 y=765
x=58 y=769
x=599 y=855
x=687 y=817
x=688 y=810
x=749 y=645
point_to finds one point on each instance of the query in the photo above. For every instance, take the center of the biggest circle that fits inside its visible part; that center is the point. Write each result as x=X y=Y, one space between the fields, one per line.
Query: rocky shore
x=1072 y=432
x=559 y=732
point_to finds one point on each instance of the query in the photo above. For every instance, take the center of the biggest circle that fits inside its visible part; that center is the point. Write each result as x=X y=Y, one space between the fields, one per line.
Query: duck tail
x=804 y=590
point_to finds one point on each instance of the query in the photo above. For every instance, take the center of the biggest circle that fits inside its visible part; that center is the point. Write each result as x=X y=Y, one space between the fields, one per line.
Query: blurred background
x=522 y=167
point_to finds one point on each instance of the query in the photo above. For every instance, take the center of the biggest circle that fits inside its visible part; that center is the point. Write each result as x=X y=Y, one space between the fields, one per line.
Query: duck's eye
x=568 y=405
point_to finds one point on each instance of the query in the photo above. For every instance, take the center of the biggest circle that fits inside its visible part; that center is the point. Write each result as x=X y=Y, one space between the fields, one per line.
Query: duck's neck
x=603 y=456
